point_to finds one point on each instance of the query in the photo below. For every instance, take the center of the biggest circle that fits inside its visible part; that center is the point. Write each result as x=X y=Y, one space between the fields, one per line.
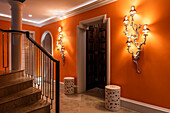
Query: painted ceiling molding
x=64 y=15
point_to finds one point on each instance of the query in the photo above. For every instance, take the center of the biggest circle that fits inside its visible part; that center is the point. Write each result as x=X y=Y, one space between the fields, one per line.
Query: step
x=40 y=106
x=9 y=87
x=19 y=99
x=10 y=75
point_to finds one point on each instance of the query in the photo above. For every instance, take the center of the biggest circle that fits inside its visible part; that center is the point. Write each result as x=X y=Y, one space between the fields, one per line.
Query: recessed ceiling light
x=29 y=15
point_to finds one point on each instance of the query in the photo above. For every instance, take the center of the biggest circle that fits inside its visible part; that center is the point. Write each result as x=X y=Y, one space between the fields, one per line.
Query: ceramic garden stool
x=68 y=85
x=112 y=97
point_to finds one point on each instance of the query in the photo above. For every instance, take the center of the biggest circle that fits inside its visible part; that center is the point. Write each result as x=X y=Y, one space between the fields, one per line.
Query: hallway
x=90 y=102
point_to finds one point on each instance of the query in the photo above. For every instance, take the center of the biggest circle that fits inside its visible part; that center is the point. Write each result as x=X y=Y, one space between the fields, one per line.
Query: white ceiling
x=43 y=10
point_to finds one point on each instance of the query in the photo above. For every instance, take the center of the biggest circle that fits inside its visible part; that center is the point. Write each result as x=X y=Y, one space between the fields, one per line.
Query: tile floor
x=90 y=102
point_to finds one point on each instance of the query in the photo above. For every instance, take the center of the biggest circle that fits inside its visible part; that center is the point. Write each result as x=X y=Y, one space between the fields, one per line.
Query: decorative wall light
x=60 y=46
x=133 y=37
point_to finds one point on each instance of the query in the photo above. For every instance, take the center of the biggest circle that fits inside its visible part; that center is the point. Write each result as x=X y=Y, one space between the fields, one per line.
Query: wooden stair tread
x=18 y=95
x=38 y=105
x=9 y=72
x=15 y=82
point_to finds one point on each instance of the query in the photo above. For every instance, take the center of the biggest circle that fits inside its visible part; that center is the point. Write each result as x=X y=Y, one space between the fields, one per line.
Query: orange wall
x=153 y=84
x=6 y=25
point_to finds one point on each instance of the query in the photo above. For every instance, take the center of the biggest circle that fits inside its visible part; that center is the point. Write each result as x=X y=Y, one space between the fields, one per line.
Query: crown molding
x=5 y=18
x=88 y=7
x=74 y=12
x=23 y=22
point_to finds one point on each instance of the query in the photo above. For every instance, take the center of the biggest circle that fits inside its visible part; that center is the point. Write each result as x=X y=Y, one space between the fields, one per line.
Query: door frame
x=43 y=37
x=81 y=50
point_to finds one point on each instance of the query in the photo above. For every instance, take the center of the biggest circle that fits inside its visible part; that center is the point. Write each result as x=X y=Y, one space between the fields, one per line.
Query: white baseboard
x=142 y=107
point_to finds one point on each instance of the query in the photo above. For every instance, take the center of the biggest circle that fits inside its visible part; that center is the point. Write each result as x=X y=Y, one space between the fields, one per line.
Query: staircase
x=17 y=94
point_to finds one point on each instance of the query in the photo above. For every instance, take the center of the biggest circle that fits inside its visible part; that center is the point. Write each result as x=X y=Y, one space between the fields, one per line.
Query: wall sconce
x=60 y=46
x=133 y=37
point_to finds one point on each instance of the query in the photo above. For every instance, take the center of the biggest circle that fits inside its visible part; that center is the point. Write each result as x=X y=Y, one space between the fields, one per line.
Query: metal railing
x=5 y=44
x=39 y=65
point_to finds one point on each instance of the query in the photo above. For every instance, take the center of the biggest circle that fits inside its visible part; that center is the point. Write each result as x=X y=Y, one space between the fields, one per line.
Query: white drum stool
x=112 y=97
x=68 y=85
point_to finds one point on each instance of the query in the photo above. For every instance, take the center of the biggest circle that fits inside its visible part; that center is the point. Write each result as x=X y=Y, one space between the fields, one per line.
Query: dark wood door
x=96 y=56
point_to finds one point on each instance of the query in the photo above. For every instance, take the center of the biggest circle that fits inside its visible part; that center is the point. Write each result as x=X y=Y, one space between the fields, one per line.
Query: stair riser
x=23 y=101
x=15 y=88
x=11 y=76
x=42 y=110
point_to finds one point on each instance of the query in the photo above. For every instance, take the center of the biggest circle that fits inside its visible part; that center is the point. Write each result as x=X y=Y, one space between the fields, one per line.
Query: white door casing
x=81 y=50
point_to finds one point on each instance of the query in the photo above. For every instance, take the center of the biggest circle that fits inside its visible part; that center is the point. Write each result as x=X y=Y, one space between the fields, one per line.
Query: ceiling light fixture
x=29 y=15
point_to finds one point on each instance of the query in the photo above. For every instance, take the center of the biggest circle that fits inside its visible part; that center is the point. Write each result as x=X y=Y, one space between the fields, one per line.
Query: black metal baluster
x=43 y=77
x=34 y=77
x=38 y=62
x=47 y=80
x=57 y=86
x=52 y=98
x=28 y=58
x=40 y=68
x=3 y=50
x=8 y=51
x=25 y=56
x=32 y=61
x=37 y=77
x=50 y=81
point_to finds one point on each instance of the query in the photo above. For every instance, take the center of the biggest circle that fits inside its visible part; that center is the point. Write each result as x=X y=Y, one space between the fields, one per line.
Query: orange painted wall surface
x=6 y=25
x=153 y=84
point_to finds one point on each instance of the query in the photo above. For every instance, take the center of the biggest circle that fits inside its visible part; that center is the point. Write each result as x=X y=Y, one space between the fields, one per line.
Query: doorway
x=96 y=56
x=47 y=44
x=81 y=50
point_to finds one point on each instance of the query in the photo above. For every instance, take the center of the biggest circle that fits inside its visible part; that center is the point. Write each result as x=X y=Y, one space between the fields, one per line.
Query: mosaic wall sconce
x=134 y=35
x=60 y=46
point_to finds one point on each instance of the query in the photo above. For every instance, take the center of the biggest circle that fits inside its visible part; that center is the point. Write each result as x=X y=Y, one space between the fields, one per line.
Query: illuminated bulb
x=29 y=15
x=145 y=26
x=59 y=29
x=145 y=29
x=60 y=35
x=133 y=7
x=126 y=20
x=129 y=39
x=133 y=10
x=128 y=44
